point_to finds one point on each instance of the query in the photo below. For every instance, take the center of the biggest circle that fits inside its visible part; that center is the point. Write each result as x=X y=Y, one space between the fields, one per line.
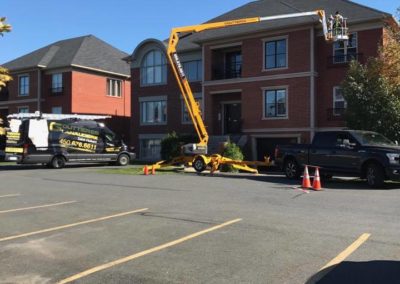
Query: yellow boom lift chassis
x=196 y=154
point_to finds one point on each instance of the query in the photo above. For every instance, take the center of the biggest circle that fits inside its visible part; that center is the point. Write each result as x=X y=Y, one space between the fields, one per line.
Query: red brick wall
x=331 y=75
x=63 y=100
x=174 y=106
x=89 y=95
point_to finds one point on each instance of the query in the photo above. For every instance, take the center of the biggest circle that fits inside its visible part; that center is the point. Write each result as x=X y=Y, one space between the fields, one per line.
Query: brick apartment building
x=262 y=84
x=82 y=75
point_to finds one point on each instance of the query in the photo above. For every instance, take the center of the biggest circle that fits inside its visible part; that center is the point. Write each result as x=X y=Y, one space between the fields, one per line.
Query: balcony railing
x=339 y=60
x=227 y=73
x=335 y=114
x=56 y=91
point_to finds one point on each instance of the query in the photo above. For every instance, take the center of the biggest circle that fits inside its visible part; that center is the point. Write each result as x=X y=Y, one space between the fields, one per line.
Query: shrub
x=234 y=152
x=172 y=143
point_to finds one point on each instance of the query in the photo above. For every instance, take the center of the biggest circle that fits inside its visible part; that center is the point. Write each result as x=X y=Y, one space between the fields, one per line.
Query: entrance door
x=232 y=118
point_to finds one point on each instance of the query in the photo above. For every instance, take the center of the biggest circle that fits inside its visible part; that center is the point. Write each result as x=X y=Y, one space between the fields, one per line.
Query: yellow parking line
x=145 y=252
x=70 y=225
x=339 y=258
x=10 y=195
x=36 y=207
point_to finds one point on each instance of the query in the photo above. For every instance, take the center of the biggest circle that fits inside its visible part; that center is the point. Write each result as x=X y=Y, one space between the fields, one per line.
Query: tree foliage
x=4 y=77
x=372 y=90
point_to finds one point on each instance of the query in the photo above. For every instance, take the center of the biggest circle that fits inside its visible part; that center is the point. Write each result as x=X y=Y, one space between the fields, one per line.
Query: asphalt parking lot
x=80 y=225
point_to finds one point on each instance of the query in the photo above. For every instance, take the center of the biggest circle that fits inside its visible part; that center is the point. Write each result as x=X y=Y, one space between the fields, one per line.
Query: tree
x=372 y=90
x=4 y=76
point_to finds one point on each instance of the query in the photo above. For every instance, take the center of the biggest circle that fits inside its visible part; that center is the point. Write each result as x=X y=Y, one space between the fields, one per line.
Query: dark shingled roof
x=87 y=51
x=353 y=11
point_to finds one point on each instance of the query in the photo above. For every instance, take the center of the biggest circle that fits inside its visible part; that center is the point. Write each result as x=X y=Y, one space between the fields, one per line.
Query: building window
x=56 y=110
x=150 y=149
x=56 y=83
x=339 y=103
x=276 y=54
x=153 y=112
x=114 y=88
x=154 y=68
x=23 y=109
x=343 y=52
x=24 y=85
x=275 y=103
x=185 y=114
x=193 y=70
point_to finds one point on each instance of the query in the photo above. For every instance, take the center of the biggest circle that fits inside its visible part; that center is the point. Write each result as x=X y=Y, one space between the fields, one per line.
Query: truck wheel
x=123 y=160
x=199 y=165
x=291 y=169
x=375 y=175
x=58 y=162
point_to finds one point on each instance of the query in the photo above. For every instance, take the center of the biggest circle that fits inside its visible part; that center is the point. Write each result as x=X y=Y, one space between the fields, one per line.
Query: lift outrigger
x=195 y=154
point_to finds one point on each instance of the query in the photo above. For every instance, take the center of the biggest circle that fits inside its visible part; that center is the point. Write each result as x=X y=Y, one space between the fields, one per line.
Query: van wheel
x=375 y=175
x=123 y=160
x=291 y=169
x=199 y=165
x=58 y=162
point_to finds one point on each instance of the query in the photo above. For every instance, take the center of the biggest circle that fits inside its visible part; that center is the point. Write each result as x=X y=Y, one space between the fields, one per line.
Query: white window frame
x=264 y=99
x=19 y=85
x=197 y=97
x=23 y=107
x=163 y=66
x=345 y=53
x=334 y=101
x=264 y=42
x=153 y=100
x=114 y=88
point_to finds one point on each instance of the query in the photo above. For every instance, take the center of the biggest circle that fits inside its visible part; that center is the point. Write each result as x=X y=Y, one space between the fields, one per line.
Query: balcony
x=56 y=91
x=335 y=114
x=226 y=63
x=344 y=59
x=227 y=73
x=4 y=94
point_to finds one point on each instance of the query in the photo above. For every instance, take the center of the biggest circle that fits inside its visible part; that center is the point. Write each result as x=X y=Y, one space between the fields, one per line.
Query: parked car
x=366 y=154
x=57 y=139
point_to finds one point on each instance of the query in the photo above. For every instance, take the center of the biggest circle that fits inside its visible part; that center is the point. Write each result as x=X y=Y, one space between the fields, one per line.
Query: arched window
x=154 y=68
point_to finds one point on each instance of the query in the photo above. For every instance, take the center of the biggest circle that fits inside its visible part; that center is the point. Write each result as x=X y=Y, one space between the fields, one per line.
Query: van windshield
x=373 y=139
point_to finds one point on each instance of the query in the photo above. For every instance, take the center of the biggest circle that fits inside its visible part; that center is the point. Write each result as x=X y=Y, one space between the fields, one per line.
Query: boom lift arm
x=192 y=106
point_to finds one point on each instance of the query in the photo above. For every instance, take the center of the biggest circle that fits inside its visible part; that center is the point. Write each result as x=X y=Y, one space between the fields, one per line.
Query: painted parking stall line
x=10 y=195
x=145 y=252
x=71 y=225
x=339 y=258
x=37 y=207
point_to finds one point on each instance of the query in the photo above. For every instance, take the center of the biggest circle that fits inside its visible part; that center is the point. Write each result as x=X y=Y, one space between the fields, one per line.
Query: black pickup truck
x=365 y=154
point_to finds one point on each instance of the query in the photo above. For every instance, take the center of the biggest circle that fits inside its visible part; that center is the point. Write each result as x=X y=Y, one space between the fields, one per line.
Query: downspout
x=312 y=83
x=39 y=88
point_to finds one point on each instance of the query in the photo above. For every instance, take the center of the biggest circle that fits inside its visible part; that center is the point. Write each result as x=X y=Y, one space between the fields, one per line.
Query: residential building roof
x=355 y=13
x=85 y=52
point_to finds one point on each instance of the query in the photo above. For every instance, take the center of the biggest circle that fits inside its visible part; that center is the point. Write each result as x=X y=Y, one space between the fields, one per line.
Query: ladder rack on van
x=52 y=116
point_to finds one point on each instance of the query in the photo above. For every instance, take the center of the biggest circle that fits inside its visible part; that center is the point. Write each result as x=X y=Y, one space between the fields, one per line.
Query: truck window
x=343 y=139
x=324 y=139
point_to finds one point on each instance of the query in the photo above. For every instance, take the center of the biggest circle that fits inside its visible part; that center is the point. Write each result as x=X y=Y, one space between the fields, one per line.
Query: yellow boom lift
x=196 y=154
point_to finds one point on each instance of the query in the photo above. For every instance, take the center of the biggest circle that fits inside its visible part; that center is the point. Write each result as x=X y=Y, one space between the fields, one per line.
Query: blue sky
x=122 y=23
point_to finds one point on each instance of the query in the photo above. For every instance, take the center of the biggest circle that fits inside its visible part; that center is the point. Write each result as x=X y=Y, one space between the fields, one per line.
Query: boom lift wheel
x=199 y=165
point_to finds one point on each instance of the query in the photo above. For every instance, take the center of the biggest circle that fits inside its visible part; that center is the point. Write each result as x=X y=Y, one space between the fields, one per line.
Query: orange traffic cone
x=146 y=170
x=153 y=170
x=317 y=181
x=306 y=179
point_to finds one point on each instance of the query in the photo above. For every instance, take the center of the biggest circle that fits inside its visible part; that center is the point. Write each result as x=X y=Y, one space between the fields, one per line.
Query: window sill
x=275 y=69
x=153 y=85
x=276 y=118
x=153 y=124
